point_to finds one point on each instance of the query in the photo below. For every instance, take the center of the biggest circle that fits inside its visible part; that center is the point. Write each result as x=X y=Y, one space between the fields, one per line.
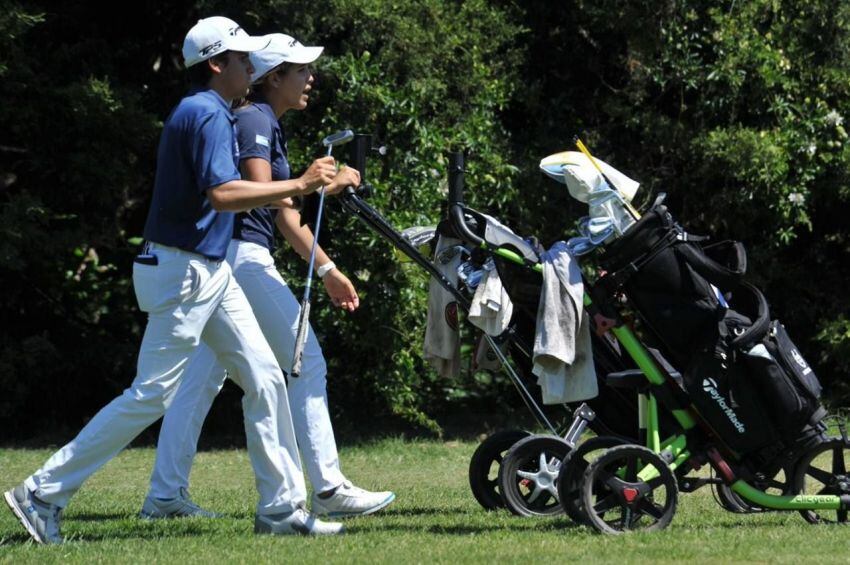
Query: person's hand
x=321 y=172
x=346 y=176
x=341 y=290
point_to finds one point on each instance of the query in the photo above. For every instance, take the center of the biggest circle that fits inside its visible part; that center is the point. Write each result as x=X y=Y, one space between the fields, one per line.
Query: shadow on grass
x=392 y=512
x=523 y=524
x=21 y=538
x=104 y=526
x=98 y=516
x=122 y=529
x=529 y=525
x=744 y=523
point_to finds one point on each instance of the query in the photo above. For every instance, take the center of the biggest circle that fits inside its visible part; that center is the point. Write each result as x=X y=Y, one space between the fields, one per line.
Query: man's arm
x=240 y=195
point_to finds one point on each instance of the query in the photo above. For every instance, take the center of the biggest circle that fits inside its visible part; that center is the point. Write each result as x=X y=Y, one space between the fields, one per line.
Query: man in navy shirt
x=190 y=296
x=282 y=83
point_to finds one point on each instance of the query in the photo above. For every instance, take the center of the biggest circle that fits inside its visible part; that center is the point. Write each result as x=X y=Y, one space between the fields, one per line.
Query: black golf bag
x=741 y=371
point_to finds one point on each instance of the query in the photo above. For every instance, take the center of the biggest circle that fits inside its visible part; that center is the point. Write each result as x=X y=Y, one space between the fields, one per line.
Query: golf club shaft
x=304 y=317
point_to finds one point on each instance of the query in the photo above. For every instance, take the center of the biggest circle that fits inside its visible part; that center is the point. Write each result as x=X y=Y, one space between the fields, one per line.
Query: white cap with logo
x=215 y=35
x=281 y=48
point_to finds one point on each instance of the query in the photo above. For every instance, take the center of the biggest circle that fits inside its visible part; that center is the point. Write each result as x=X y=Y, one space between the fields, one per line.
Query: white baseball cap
x=281 y=48
x=215 y=35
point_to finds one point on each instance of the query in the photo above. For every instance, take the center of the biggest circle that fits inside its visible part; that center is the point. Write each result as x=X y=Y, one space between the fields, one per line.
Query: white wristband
x=325 y=269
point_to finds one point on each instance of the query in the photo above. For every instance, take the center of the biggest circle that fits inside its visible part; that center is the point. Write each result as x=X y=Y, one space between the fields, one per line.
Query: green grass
x=434 y=519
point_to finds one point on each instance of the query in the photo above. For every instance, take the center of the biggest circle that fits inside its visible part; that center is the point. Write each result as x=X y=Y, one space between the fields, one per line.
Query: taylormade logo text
x=710 y=386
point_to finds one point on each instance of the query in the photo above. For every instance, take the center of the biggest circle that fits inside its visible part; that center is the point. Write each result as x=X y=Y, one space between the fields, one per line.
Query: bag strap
x=760 y=326
x=714 y=272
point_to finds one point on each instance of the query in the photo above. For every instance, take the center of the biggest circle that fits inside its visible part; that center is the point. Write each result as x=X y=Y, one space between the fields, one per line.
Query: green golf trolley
x=716 y=383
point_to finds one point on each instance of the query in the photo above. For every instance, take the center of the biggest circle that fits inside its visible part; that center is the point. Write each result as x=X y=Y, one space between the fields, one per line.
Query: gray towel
x=442 y=341
x=563 y=357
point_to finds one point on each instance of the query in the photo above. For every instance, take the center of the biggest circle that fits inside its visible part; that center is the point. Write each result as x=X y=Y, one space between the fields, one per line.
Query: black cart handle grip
x=456 y=182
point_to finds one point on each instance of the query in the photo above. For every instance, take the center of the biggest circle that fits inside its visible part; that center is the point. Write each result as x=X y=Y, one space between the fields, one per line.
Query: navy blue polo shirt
x=260 y=136
x=197 y=151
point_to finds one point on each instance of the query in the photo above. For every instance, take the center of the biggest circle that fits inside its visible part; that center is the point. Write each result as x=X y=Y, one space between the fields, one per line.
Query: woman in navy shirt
x=282 y=82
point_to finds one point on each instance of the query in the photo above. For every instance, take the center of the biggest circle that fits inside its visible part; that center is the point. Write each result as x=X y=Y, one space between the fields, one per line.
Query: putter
x=331 y=141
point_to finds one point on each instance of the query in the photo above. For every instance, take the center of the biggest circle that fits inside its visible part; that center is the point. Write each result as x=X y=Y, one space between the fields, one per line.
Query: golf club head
x=339 y=138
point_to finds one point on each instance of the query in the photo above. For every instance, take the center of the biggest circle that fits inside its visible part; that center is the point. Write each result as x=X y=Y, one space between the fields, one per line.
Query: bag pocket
x=731 y=402
x=788 y=409
x=794 y=362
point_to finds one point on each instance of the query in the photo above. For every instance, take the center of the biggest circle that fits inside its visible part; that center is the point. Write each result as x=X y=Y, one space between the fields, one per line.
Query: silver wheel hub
x=544 y=479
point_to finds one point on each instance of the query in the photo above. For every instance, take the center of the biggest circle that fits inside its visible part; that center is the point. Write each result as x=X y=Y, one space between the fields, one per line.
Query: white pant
x=277 y=310
x=188 y=299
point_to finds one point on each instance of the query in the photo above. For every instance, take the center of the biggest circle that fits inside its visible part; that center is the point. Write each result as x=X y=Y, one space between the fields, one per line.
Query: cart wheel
x=824 y=471
x=781 y=484
x=528 y=477
x=617 y=500
x=484 y=467
x=729 y=500
x=572 y=471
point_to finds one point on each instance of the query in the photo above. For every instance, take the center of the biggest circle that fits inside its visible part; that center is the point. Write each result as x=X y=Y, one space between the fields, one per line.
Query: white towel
x=486 y=358
x=563 y=356
x=491 y=308
x=442 y=340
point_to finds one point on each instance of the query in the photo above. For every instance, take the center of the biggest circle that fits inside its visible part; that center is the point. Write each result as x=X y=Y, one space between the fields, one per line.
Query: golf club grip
x=300 y=340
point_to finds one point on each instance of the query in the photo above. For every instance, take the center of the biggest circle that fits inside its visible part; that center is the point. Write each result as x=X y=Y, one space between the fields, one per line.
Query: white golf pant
x=277 y=310
x=188 y=299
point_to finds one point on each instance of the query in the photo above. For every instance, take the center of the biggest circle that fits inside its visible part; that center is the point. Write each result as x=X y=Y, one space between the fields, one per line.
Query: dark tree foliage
x=735 y=109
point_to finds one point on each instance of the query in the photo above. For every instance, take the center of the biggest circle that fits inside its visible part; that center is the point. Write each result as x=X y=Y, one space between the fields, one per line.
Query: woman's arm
x=337 y=285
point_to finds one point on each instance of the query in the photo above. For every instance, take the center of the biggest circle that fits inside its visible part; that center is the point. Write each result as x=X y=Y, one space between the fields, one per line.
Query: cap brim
x=247 y=44
x=304 y=55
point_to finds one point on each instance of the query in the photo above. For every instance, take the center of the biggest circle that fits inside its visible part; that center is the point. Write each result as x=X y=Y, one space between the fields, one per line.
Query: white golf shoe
x=349 y=500
x=40 y=519
x=299 y=522
x=181 y=506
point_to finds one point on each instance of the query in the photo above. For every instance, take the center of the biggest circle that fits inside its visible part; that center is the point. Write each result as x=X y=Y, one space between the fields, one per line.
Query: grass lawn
x=434 y=519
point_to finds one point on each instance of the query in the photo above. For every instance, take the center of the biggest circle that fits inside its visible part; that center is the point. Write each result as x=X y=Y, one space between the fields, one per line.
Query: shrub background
x=735 y=109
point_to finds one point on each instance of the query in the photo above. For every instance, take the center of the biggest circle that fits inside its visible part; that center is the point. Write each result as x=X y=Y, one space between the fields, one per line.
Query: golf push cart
x=711 y=381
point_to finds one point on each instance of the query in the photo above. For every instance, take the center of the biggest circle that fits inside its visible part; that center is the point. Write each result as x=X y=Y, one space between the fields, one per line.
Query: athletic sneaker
x=40 y=519
x=179 y=507
x=349 y=500
x=298 y=522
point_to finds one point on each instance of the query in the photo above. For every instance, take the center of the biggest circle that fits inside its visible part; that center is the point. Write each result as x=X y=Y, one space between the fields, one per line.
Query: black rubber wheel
x=823 y=470
x=730 y=501
x=572 y=473
x=781 y=484
x=484 y=467
x=617 y=500
x=528 y=477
